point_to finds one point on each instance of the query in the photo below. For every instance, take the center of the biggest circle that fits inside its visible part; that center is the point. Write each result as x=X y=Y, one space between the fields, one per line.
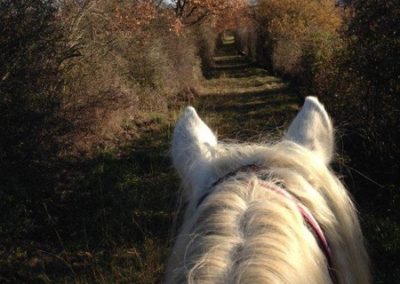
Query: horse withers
x=259 y=213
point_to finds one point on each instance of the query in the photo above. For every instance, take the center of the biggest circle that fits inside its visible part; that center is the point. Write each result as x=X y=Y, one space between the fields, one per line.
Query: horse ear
x=312 y=128
x=193 y=143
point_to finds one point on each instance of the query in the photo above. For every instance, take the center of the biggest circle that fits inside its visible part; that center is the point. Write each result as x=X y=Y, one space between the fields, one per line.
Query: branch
x=198 y=19
x=178 y=8
x=191 y=12
x=184 y=4
x=158 y=4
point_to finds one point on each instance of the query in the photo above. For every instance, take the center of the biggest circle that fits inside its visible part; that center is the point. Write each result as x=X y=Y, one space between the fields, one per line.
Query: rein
x=309 y=219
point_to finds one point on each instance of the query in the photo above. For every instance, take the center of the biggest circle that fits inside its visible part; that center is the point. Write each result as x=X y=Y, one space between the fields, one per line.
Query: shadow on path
x=243 y=101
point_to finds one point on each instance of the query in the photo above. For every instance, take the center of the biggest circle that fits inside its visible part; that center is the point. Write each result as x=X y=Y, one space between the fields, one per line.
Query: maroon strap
x=311 y=222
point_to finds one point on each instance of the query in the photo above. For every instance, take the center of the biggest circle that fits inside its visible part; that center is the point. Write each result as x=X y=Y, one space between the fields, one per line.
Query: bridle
x=308 y=218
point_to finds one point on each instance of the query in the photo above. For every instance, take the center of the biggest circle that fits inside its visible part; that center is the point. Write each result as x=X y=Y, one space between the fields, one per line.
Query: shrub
x=124 y=69
x=298 y=33
x=362 y=80
x=374 y=58
x=31 y=50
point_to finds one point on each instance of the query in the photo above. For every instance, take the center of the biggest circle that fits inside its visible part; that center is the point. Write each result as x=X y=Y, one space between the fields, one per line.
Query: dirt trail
x=244 y=102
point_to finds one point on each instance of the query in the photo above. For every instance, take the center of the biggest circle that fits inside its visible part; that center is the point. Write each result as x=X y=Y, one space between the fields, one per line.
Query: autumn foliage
x=297 y=30
x=194 y=11
x=133 y=16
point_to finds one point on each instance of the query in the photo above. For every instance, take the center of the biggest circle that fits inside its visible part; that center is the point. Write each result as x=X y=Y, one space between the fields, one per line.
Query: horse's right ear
x=312 y=128
x=193 y=145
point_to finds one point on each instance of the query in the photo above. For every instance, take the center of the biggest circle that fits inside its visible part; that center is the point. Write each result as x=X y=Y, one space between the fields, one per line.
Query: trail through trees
x=243 y=101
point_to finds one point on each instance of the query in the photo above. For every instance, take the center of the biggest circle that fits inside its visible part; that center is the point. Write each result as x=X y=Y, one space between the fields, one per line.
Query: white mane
x=244 y=233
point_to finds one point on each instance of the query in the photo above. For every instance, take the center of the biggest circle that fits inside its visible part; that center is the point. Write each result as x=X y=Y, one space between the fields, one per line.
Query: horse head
x=259 y=213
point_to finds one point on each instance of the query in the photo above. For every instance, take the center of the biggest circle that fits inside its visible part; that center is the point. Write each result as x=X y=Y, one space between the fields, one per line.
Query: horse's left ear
x=192 y=145
x=312 y=128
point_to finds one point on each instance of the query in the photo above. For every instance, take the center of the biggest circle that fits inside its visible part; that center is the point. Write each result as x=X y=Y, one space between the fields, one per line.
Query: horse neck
x=243 y=232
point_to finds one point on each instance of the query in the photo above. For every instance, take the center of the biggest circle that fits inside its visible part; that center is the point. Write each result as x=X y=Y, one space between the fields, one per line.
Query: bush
x=31 y=50
x=345 y=55
x=124 y=70
x=362 y=80
x=298 y=33
x=374 y=57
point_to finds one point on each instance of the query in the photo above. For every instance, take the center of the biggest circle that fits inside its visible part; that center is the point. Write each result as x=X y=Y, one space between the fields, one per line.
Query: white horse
x=265 y=213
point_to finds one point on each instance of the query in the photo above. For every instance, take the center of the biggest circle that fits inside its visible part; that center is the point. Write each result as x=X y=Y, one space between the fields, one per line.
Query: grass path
x=244 y=102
